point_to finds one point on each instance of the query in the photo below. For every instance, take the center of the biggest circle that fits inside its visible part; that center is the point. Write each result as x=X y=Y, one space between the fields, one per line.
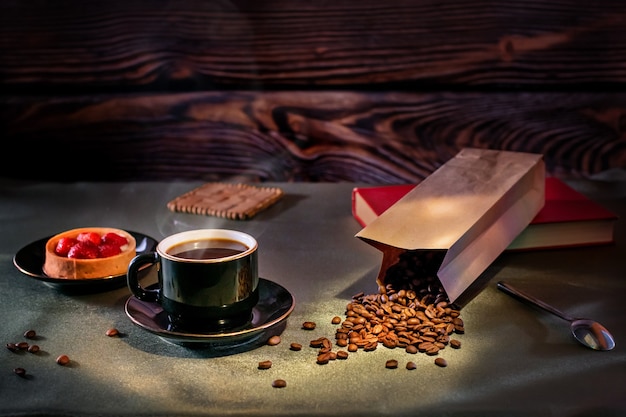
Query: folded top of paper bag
x=472 y=207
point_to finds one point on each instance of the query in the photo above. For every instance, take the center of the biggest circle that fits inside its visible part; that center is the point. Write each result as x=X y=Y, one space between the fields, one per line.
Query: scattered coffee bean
x=265 y=365
x=12 y=347
x=391 y=364
x=342 y=354
x=411 y=365
x=308 y=325
x=63 y=360
x=455 y=343
x=295 y=346
x=30 y=334
x=441 y=362
x=323 y=358
x=274 y=340
x=33 y=348
x=336 y=320
x=112 y=332
x=20 y=372
x=279 y=383
x=22 y=345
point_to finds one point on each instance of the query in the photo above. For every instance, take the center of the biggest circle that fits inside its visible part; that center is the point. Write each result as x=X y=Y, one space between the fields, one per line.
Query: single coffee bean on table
x=274 y=340
x=323 y=358
x=265 y=364
x=30 y=334
x=295 y=346
x=63 y=360
x=279 y=383
x=309 y=325
x=441 y=362
x=391 y=364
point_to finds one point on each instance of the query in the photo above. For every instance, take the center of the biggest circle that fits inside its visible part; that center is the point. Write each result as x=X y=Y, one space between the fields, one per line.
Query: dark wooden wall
x=367 y=91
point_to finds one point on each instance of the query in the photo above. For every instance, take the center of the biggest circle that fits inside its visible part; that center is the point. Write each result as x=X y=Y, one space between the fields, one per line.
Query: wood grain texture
x=306 y=91
x=310 y=136
x=86 y=45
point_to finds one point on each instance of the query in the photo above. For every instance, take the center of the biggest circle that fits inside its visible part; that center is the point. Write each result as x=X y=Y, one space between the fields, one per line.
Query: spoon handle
x=530 y=299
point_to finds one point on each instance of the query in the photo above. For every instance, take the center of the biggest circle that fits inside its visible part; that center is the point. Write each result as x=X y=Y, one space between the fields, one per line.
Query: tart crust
x=62 y=267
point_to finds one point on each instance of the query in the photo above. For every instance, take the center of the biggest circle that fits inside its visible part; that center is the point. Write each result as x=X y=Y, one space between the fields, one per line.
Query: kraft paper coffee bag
x=471 y=208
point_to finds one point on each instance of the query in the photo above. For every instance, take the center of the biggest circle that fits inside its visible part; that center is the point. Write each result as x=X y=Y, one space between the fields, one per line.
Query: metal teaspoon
x=588 y=332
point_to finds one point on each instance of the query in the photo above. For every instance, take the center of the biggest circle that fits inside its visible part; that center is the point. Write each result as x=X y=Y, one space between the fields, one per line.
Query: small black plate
x=274 y=306
x=30 y=259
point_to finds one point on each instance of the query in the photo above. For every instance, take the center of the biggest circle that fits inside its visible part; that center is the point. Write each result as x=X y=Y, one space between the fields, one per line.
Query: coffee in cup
x=207 y=279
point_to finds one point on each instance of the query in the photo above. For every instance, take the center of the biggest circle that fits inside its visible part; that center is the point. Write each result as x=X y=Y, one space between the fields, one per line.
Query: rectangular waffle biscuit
x=229 y=200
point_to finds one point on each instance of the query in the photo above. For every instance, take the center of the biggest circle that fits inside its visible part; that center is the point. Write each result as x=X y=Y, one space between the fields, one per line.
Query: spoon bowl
x=588 y=332
x=592 y=334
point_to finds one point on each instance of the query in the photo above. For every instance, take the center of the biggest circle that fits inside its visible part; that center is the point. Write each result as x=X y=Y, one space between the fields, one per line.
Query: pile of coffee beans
x=410 y=311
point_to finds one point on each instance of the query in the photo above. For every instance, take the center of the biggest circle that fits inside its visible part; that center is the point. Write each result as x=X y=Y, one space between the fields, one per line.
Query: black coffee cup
x=207 y=279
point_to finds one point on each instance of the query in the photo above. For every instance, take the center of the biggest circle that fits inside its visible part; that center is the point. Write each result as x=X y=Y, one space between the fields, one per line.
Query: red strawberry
x=64 y=245
x=83 y=250
x=92 y=237
x=106 y=249
x=114 y=239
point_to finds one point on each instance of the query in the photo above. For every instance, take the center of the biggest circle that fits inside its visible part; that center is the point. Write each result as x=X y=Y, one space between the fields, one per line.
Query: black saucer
x=274 y=306
x=30 y=259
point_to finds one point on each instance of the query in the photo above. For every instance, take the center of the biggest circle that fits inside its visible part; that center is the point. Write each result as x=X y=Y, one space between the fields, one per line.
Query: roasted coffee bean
x=441 y=362
x=279 y=383
x=455 y=343
x=342 y=354
x=20 y=372
x=63 y=360
x=411 y=349
x=317 y=343
x=265 y=365
x=12 y=347
x=274 y=340
x=323 y=358
x=391 y=364
x=411 y=365
x=326 y=344
x=309 y=325
x=336 y=320
x=295 y=346
x=112 y=332
x=33 y=348
x=30 y=334
x=22 y=345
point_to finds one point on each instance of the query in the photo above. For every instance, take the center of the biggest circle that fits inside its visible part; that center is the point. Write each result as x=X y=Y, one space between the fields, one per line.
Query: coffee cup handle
x=132 y=276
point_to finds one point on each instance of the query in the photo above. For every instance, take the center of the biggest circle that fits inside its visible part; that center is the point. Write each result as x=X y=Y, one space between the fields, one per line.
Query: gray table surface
x=515 y=360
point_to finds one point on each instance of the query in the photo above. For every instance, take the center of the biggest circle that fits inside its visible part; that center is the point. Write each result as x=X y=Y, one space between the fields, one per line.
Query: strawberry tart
x=90 y=252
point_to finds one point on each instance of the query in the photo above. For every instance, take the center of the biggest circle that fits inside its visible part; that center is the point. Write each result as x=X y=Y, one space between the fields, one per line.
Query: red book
x=568 y=217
